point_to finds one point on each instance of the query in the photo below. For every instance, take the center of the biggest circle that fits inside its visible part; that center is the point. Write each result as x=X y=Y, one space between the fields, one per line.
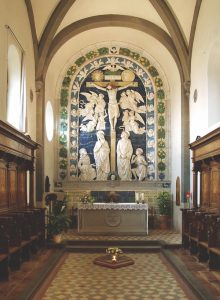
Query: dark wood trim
x=14 y=143
x=206 y=147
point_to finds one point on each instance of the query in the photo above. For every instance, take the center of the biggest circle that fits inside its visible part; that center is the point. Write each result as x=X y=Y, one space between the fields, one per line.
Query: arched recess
x=73 y=129
x=213 y=84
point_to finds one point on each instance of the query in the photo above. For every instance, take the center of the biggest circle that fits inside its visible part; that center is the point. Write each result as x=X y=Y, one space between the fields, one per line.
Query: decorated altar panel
x=114 y=218
x=112 y=119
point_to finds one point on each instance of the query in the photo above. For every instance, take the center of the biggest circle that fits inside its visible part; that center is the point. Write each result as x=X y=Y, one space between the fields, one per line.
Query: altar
x=113 y=218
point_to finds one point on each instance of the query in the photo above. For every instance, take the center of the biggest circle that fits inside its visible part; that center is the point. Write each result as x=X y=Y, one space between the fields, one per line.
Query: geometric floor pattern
x=168 y=236
x=149 y=278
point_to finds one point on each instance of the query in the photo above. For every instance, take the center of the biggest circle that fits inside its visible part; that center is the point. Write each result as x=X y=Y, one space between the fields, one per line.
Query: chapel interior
x=109 y=135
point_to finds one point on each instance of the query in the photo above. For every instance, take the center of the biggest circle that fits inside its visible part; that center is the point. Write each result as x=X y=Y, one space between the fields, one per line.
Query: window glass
x=16 y=98
x=49 y=120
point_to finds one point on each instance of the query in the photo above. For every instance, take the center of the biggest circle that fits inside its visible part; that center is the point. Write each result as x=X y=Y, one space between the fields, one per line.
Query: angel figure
x=88 y=112
x=90 y=125
x=123 y=102
x=89 y=105
x=131 y=99
x=132 y=104
x=134 y=126
x=125 y=120
x=138 y=99
x=140 y=171
x=101 y=121
x=100 y=104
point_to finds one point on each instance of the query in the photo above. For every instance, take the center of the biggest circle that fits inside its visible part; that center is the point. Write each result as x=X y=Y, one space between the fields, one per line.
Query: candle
x=137 y=196
x=114 y=258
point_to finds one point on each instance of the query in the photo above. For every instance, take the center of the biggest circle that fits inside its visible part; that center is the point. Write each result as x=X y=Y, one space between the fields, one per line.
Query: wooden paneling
x=205 y=184
x=16 y=158
x=215 y=185
x=3 y=186
x=206 y=159
x=22 y=188
x=12 y=187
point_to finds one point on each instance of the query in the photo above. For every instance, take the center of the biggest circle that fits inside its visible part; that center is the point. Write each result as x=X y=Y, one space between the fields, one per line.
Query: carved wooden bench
x=214 y=245
x=4 y=255
x=205 y=223
x=187 y=217
x=12 y=231
x=22 y=233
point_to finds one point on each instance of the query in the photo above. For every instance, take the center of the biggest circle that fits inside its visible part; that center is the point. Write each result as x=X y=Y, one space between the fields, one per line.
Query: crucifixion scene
x=113 y=124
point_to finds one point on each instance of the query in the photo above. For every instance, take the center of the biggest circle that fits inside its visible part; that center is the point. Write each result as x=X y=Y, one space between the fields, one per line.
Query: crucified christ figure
x=113 y=109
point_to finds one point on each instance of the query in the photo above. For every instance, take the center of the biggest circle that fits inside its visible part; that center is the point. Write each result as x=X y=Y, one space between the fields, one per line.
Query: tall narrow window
x=49 y=121
x=16 y=96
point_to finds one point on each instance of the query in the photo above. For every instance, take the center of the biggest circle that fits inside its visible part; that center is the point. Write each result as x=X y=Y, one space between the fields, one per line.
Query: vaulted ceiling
x=71 y=24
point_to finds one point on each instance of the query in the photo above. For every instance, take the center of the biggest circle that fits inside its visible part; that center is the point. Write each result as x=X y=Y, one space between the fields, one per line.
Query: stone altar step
x=100 y=246
x=113 y=242
x=126 y=249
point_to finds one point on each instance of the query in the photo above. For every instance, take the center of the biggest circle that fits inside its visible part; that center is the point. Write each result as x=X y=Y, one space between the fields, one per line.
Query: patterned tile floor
x=81 y=272
x=78 y=278
x=168 y=236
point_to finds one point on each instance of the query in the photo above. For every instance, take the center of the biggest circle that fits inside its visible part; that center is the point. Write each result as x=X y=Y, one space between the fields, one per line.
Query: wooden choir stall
x=201 y=224
x=22 y=226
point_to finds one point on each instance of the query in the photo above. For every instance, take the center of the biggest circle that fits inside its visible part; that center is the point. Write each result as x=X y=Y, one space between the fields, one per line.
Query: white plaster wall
x=207 y=33
x=14 y=14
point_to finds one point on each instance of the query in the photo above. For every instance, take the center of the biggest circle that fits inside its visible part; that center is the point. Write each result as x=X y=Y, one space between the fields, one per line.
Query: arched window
x=49 y=121
x=16 y=97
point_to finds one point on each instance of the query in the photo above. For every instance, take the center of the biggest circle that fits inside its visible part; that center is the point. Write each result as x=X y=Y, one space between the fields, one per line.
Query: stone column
x=185 y=156
x=40 y=105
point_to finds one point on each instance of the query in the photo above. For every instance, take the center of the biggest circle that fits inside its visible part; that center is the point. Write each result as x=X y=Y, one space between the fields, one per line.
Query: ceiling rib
x=176 y=34
x=50 y=30
x=193 y=27
x=33 y=29
x=109 y=21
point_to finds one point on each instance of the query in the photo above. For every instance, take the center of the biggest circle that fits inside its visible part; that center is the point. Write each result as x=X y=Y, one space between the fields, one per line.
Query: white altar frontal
x=113 y=218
